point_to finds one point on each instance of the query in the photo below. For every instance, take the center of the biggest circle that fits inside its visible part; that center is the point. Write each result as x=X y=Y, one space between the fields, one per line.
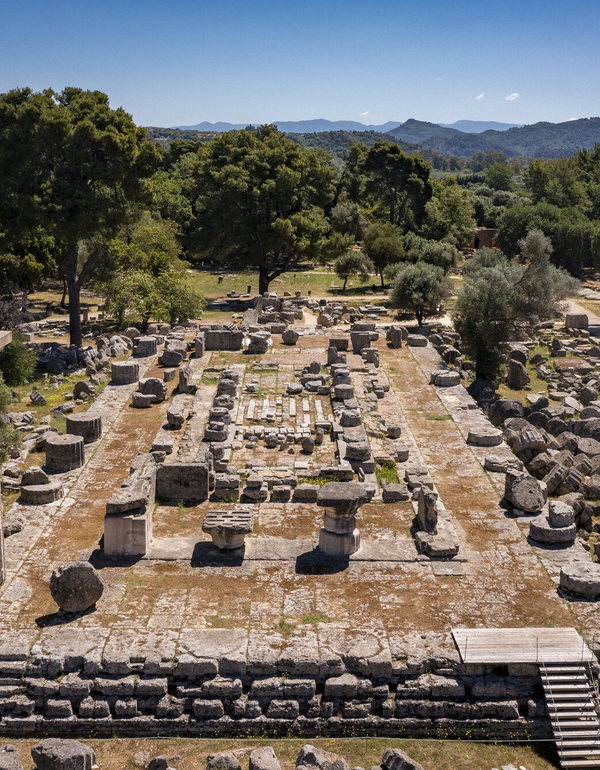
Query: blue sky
x=184 y=62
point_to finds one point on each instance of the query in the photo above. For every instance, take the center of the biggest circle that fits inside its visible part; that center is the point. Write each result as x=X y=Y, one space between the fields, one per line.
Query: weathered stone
x=523 y=491
x=394 y=493
x=484 y=436
x=308 y=445
x=542 y=530
x=152 y=386
x=125 y=372
x=289 y=337
x=311 y=757
x=64 y=453
x=416 y=341
x=58 y=754
x=224 y=760
x=228 y=529
x=580 y=577
x=445 y=379
x=144 y=347
x=427 y=514
x=41 y=494
x=263 y=758
x=560 y=514
x=84 y=389
x=576 y=321
x=76 y=587
x=88 y=425
x=396 y=759
x=395 y=336
x=34 y=475
x=9 y=758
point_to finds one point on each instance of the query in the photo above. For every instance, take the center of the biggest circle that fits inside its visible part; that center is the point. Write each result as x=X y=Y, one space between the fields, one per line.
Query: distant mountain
x=477 y=126
x=299 y=126
x=420 y=131
x=540 y=140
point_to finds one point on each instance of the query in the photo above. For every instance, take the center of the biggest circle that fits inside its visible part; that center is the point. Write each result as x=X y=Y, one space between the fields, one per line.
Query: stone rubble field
x=286 y=520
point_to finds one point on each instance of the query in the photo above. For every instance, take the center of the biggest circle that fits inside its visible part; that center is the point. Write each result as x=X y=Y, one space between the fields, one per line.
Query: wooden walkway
x=500 y=646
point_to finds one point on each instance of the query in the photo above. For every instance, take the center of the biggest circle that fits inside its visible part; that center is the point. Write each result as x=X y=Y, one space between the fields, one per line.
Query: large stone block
x=64 y=453
x=76 y=587
x=182 y=481
x=88 y=425
x=223 y=339
x=58 y=754
x=125 y=372
x=128 y=533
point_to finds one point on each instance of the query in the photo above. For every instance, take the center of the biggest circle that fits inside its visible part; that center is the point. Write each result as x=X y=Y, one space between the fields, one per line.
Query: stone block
x=58 y=754
x=144 y=347
x=125 y=372
x=187 y=481
x=88 y=425
x=64 y=453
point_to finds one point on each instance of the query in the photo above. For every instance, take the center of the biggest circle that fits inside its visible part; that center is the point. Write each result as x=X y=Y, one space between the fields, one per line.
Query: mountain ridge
x=319 y=125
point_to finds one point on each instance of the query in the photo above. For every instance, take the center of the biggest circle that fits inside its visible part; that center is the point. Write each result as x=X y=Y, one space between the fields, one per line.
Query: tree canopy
x=420 y=288
x=70 y=165
x=497 y=295
x=261 y=201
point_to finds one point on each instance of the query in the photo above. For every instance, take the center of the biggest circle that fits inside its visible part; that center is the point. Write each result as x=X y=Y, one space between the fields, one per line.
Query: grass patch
x=317 y=481
x=314 y=618
x=386 y=472
x=218 y=622
x=284 y=626
x=438 y=417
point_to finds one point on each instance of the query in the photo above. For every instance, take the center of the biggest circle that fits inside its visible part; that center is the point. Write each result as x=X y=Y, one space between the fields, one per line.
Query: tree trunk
x=24 y=298
x=74 y=289
x=263 y=280
x=382 y=283
x=344 y=286
x=392 y=207
x=419 y=315
x=63 y=302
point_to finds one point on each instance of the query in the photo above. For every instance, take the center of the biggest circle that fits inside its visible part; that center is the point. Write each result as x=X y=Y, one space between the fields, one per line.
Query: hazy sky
x=179 y=63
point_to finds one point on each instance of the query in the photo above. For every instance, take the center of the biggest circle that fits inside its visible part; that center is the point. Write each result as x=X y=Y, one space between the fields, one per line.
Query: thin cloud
x=512 y=97
x=440 y=79
x=362 y=114
x=481 y=95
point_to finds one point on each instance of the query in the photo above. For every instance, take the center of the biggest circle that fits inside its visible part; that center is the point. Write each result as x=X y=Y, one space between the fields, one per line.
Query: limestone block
x=128 y=533
x=10 y=759
x=445 y=379
x=263 y=758
x=416 y=341
x=125 y=372
x=187 y=481
x=580 y=577
x=142 y=400
x=394 y=335
x=395 y=493
x=542 y=530
x=484 y=436
x=427 y=514
x=360 y=340
x=576 y=321
x=88 y=425
x=144 y=346
x=289 y=337
x=64 y=453
x=153 y=386
x=40 y=494
x=59 y=754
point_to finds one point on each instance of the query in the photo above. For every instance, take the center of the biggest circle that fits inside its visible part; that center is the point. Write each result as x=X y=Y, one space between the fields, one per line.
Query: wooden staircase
x=572 y=700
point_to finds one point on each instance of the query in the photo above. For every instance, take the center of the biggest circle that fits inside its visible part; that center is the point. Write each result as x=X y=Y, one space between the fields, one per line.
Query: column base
x=339 y=545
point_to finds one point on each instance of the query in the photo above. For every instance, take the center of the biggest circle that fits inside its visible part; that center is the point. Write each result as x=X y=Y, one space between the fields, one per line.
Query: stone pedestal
x=64 y=453
x=125 y=372
x=128 y=533
x=339 y=545
x=228 y=529
x=339 y=535
x=85 y=424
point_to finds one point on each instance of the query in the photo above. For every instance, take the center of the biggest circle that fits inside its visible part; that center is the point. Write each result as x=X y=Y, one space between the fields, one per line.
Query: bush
x=9 y=435
x=17 y=363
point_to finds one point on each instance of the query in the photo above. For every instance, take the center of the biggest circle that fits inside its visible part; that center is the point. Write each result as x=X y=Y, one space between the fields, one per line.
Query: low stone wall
x=229 y=696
